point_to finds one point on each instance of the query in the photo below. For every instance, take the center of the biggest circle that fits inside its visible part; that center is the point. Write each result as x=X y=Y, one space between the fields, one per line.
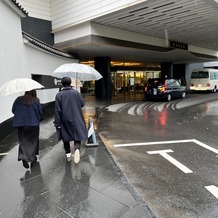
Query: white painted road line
x=154 y=143
x=169 y=142
x=205 y=146
x=213 y=190
x=131 y=111
x=164 y=154
x=160 y=151
x=2 y=154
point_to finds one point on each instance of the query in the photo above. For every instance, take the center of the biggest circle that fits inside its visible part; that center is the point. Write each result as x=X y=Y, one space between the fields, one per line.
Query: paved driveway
x=168 y=152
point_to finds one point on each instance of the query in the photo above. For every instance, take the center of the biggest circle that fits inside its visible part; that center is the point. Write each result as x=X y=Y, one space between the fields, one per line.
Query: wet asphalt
x=57 y=187
x=168 y=152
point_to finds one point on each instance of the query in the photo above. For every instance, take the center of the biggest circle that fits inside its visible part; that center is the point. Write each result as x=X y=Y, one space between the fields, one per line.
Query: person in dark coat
x=27 y=116
x=69 y=119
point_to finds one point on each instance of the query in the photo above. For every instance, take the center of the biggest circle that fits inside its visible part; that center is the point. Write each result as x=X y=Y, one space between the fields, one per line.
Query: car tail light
x=165 y=85
x=163 y=88
x=191 y=84
x=208 y=84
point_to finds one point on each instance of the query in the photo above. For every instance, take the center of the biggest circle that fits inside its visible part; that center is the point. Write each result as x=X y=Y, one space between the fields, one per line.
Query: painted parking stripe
x=154 y=143
x=2 y=154
x=169 y=142
x=205 y=146
x=172 y=160
x=213 y=190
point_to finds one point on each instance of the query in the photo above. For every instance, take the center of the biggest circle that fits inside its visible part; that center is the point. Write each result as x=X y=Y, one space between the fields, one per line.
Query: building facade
x=38 y=36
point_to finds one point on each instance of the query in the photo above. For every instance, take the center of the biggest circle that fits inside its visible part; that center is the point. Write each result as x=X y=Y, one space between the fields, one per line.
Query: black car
x=164 y=88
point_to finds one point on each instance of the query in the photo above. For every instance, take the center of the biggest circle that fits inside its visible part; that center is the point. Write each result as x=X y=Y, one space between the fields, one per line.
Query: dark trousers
x=28 y=143
x=77 y=145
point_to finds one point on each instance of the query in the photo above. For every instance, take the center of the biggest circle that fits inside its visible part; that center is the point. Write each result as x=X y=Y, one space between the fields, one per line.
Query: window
x=176 y=83
x=213 y=75
x=199 y=74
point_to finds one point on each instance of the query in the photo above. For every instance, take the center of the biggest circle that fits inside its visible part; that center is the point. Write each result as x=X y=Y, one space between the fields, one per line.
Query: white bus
x=204 y=80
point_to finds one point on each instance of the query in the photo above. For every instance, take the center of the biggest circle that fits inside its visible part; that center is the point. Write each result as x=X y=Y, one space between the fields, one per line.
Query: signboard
x=178 y=45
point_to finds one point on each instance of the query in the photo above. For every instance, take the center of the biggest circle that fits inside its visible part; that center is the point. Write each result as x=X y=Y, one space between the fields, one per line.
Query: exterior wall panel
x=39 y=29
x=17 y=60
x=11 y=55
x=38 y=9
x=69 y=13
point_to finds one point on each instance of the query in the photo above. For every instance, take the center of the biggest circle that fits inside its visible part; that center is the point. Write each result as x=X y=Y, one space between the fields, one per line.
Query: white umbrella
x=78 y=71
x=76 y=83
x=19 y=85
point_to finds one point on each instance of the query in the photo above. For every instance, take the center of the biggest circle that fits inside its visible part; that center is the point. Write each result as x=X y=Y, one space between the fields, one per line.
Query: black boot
x=34 y=162
x=25 y=164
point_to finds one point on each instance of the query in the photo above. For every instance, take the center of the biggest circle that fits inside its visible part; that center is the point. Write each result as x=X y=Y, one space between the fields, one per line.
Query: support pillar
x=166 y=69
x=178 y=71
x=103 y=87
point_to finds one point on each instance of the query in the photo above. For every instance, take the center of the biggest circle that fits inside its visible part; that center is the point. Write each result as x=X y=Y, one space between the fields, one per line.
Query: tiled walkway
x=56 y=187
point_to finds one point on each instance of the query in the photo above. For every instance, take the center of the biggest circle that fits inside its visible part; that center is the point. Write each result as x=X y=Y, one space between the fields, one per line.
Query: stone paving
x=56 y=187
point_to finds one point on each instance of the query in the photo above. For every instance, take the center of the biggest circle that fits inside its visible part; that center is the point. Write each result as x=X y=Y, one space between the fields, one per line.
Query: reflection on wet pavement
x=54 y=187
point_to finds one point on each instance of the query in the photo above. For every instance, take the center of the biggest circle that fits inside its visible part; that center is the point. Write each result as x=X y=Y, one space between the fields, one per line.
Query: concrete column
x=103 y=87
x=166 y=69
x=179 y=73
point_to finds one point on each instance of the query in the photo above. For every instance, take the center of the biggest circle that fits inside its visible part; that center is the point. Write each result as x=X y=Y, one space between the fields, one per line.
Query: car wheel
x=169 y=97
x=183 y=95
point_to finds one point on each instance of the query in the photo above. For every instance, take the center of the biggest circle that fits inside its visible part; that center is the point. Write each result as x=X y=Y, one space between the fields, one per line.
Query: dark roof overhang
x=14 y=5
x=46 y=47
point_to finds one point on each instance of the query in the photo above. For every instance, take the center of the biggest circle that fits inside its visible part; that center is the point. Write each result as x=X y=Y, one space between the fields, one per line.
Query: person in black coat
x=27 y=116
x=69 y=120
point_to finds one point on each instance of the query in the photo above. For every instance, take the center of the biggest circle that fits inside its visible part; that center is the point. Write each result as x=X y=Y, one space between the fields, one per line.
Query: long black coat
x=69 y=116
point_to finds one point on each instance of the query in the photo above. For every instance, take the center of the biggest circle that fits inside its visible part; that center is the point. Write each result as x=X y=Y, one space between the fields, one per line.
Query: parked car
x=164 y=88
